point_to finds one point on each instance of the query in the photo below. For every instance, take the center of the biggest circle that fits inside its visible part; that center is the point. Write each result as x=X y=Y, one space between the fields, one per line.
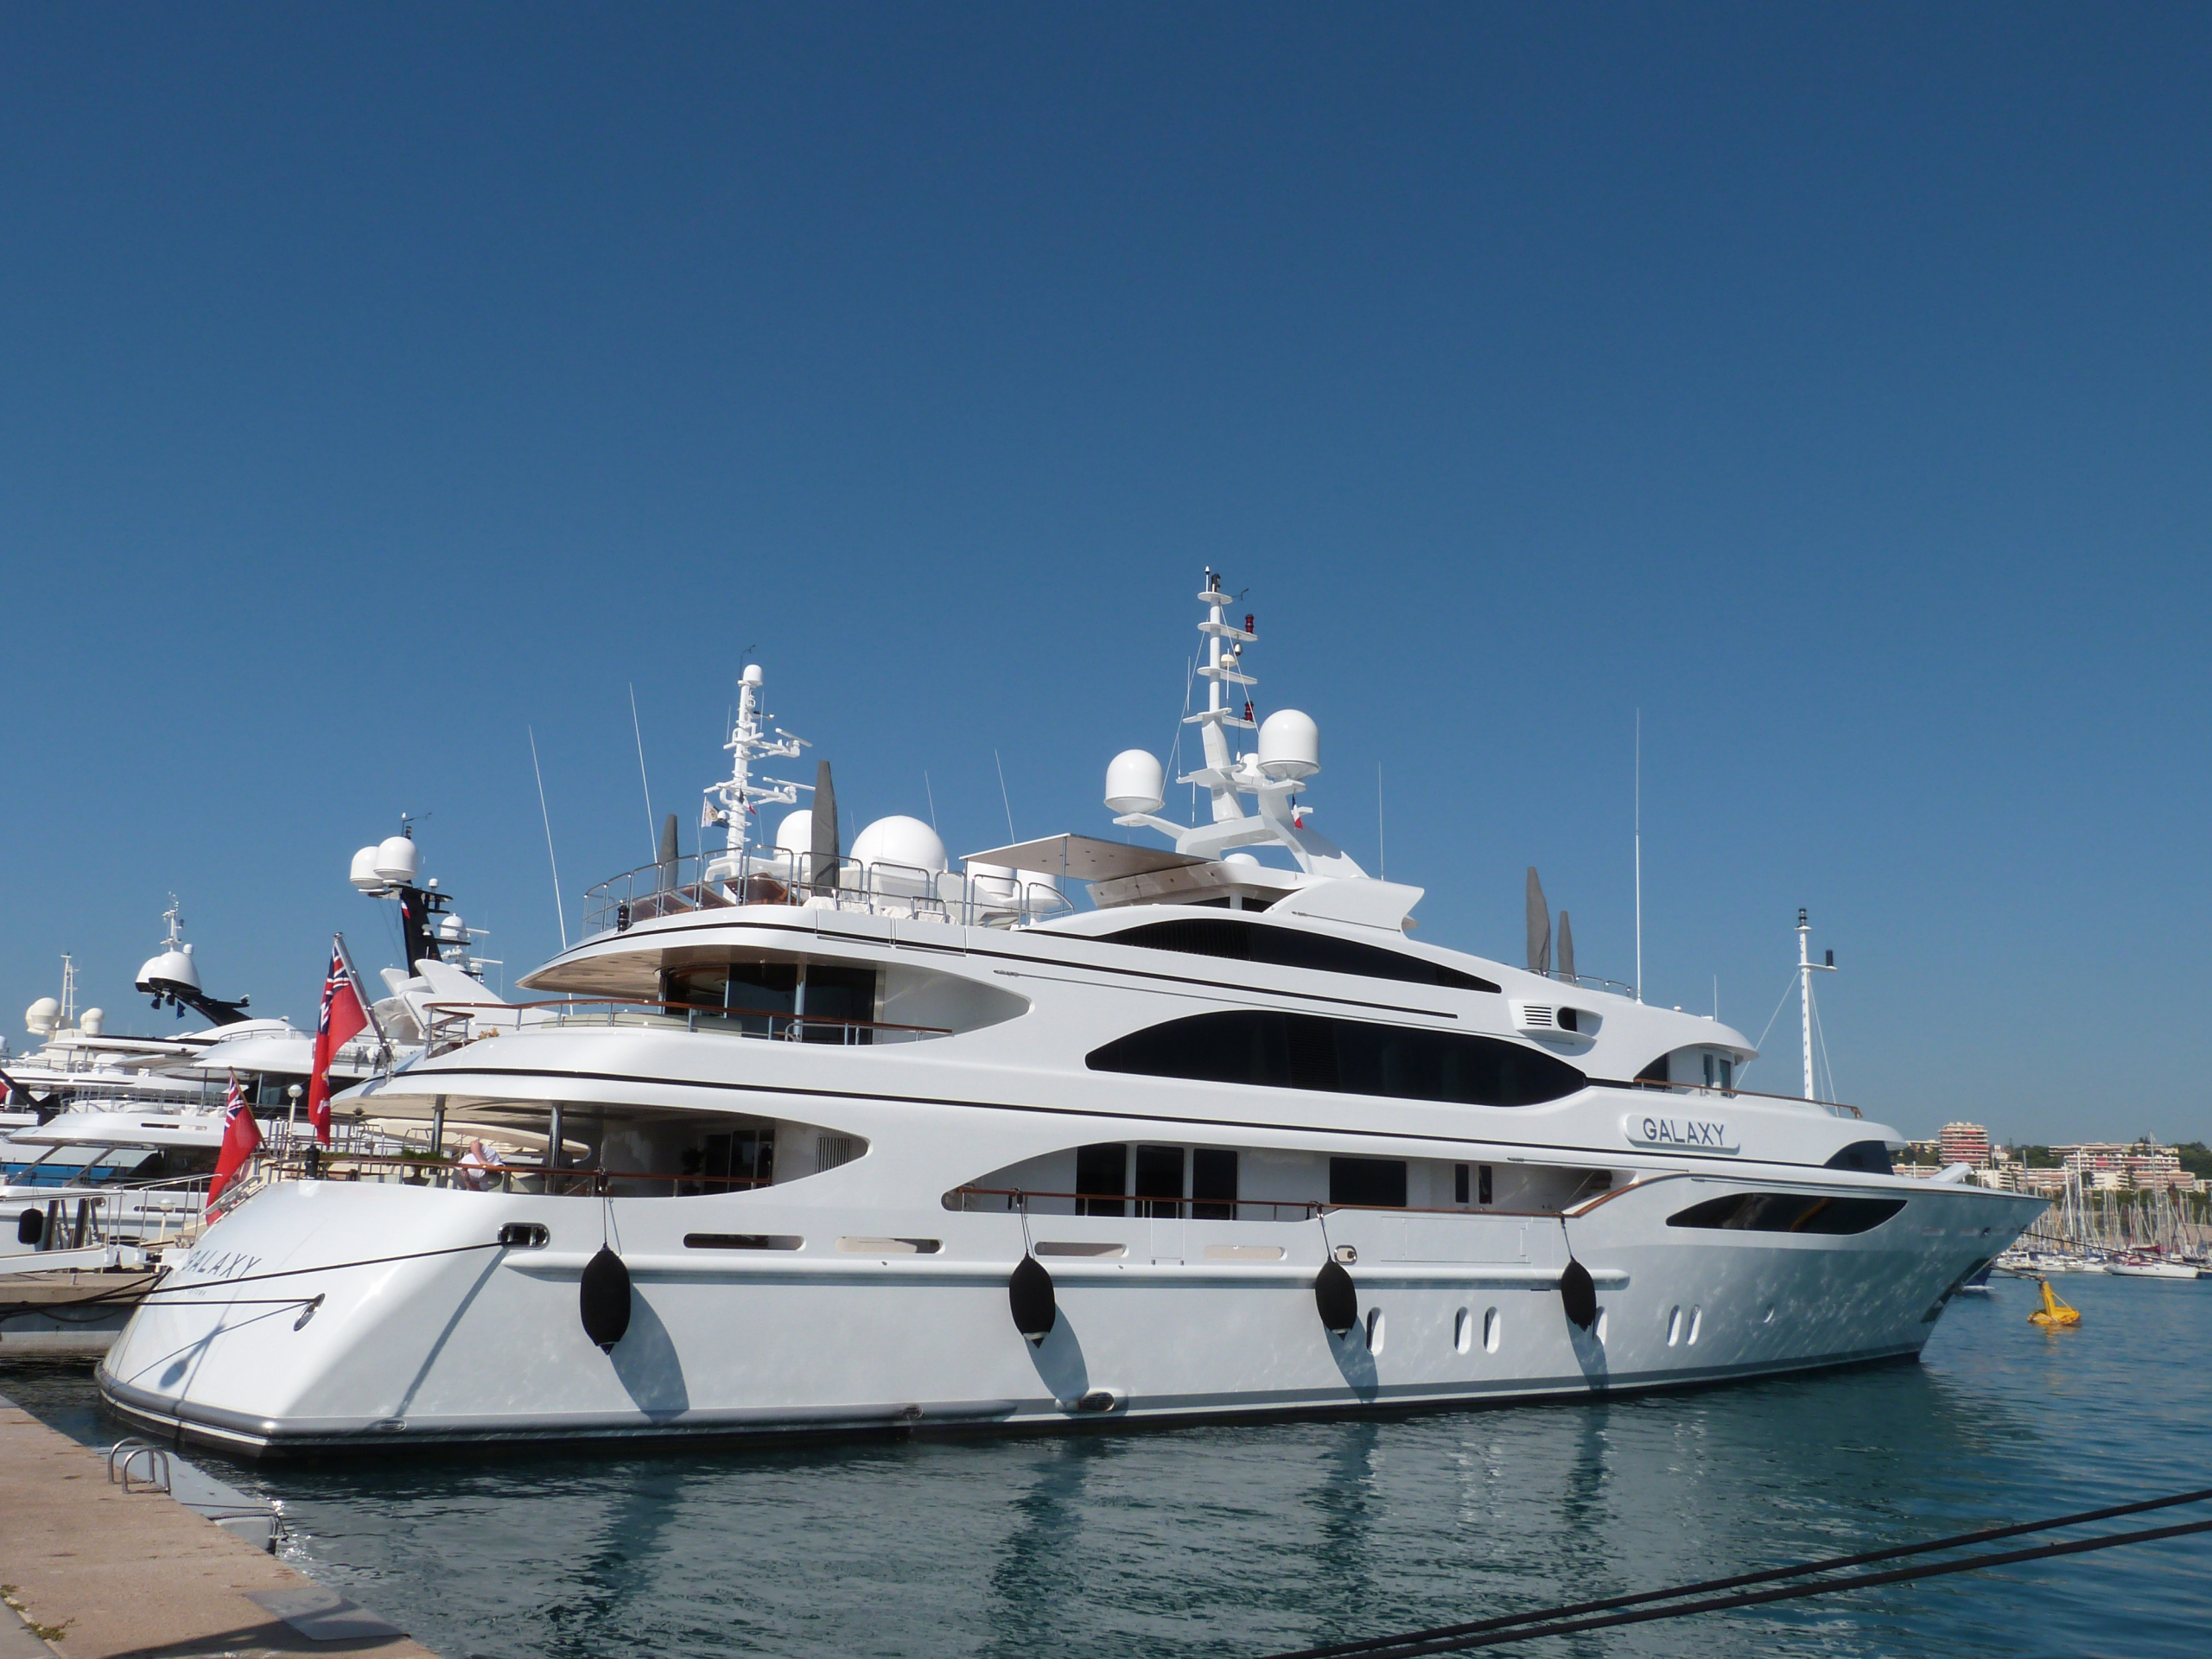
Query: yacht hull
x=1158 y=1319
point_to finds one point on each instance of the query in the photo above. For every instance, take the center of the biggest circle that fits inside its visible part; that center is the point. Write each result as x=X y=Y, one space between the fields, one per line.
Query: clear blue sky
x=1829 y=383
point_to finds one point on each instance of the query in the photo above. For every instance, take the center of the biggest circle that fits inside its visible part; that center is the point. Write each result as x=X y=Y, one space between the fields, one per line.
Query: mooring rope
x=121 y=1293
x=1577 y=1616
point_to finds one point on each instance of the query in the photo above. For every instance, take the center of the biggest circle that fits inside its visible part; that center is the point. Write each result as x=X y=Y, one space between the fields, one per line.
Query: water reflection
x=1222 y=1542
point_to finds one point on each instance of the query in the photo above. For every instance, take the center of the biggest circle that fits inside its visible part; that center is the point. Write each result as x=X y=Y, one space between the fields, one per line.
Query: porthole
x=1462 y=1332
x=1493 y=1331
x=1697 y=1320
x=1674 y=1326
x=1374 y=1330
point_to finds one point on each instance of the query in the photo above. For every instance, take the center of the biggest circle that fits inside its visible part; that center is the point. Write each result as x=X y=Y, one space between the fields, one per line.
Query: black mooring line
x=108 y=1298
x=1565 y=1620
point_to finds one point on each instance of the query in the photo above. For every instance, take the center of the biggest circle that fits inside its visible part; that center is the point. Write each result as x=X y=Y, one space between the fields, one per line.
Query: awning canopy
x=1084 y=858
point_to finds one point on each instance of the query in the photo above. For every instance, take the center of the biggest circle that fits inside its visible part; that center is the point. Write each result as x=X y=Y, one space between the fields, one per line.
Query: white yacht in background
x=859 y=1141
x=114 y=1155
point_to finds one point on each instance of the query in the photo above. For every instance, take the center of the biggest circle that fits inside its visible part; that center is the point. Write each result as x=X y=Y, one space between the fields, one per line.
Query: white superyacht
x=858 y=1141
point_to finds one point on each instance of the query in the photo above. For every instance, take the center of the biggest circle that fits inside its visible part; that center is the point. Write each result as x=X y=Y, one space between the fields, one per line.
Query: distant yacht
x=110 y=1141
x=854 y=1140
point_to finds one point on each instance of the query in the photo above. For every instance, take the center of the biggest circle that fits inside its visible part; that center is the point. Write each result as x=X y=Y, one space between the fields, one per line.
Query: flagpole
x=368 y=1007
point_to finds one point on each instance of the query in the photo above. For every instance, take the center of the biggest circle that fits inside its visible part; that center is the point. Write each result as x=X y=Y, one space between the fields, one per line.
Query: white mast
x=1639 y=855
x=1219 y=713
x=1806 y=968
x=1273 y=777
x=731 y=801
x=1805 y=996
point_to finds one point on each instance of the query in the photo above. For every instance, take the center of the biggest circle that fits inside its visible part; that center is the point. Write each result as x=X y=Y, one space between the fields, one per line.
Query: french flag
x=343 y=1016
x=241 y=1140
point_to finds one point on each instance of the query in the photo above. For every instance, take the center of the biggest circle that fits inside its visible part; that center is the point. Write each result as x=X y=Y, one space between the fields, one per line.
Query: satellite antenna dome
x=173 y=966
x=796 y=833
x=752 y=675
x=1241 y=858
x=42 y=1016
x=92 y=1021
x=451 y=930
x=1290 y=746
x=397 y=858
x=364 y=874
x=1134 y=783
x=901 y=841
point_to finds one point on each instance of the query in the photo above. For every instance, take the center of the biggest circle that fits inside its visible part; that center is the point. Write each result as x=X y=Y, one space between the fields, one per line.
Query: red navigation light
x=1249 y=628
x=1248 y=708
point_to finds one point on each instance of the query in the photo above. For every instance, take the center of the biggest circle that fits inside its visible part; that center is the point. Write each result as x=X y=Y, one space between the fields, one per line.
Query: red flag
x=241 y=1140
x=344 y=1015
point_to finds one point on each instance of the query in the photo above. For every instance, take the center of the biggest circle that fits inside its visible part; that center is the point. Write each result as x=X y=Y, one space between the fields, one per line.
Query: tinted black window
x=1101 y=1169
x=1867 y=1157
x=1159 y=1175
x=759 y=995
x=1288 y=947
x=1787 y=1212
x=831 y=992
x=1458 y=1184
x=1277 y=1050
x=1213 y=1176
x=1380 y=1182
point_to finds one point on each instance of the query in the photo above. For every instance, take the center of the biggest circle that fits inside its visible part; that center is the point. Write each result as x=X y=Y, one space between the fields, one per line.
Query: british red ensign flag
x=343 y=1016
x=241 y=1140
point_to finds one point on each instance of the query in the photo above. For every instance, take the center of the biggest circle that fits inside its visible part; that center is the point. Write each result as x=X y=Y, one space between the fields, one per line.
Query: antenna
x=1003 y=796
x=559 y=914
x=1639 y=855
x=1382 y=861
x=639 y=735
x=932 y=795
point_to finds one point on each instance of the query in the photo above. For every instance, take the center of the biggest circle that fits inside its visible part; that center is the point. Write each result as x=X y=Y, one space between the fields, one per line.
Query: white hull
x=486 y=1345
x=2150 y=1270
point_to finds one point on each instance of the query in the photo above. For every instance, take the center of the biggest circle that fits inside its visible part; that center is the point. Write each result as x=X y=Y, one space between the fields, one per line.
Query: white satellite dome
x=92 y=1021
x=398 y=858
x=452 y=930
x=173 y=966
x=796 y=833
x=901 y=841
x=42 y=1017
x=1134 y=783
x=751 y=675
x=364 y=874
x=1290 y=745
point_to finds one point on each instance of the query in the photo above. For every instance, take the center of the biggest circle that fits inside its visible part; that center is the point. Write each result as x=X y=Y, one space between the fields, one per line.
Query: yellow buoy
x=2053 y=1312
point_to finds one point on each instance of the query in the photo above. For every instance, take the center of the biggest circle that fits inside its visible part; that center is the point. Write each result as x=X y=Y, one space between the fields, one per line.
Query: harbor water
x=1225 y=1542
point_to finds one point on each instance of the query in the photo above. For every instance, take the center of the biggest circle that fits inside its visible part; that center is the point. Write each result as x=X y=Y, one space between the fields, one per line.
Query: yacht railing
x=1592 y=982
x=703 y=882
x=459 y=1174
x=151 y=1214
x=1832 y=1108
x=1018 y=1198
x=454 y=1024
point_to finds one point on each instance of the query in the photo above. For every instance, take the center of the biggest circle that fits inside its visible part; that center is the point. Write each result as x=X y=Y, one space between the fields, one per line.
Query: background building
x=1963 y=1143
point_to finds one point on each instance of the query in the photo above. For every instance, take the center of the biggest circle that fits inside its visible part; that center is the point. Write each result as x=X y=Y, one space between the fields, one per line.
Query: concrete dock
x=138 y=1576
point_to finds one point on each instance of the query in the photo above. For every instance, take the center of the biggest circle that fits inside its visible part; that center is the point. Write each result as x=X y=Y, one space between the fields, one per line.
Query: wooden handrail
x=698 y=1008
